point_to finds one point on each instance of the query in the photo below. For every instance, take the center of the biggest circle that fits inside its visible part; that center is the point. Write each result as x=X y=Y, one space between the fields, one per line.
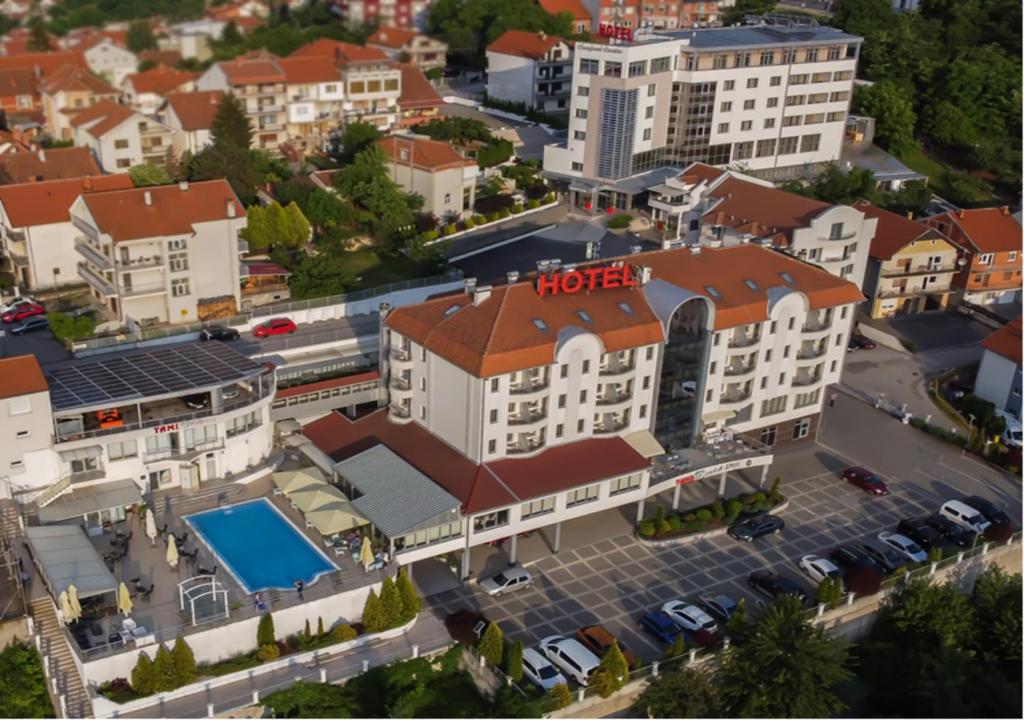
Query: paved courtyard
x=614 y=580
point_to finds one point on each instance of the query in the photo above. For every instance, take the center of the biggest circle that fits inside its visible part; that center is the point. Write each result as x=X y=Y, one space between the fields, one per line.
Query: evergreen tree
x=142 y=675
x=410 y=599
x=374 y=617
x=145 y=175
x=230 y=35
x=140 y=37
x=557 y=698
x=184 y=662
x=265 y=634
x=514 y=661
x=613 y=672
x=391 y=601
x=319 y=627
x=38 y=38
x=686 y=693
x=492 y=644
x=677 y=648
x=230 y=126
x=275 y=227
x=297 y=231
x=164 y=672
x=307 y=634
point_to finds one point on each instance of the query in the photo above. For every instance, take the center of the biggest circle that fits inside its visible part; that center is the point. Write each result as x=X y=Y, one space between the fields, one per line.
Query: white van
x=575 y=660
x=964 y=516
x=540 y=672
x=1012 y=434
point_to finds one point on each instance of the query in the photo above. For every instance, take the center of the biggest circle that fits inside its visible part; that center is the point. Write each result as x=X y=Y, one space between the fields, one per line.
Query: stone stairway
x=62 y=665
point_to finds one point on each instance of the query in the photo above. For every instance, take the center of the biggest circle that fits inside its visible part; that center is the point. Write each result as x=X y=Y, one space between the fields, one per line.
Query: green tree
x=145 y=175
x=514 y=662
x=319 y=627
x=231 y=36
x=319 y=276
x=142 y=675
x=265 y=634
x=164 y=671
x=235 y=164
x=231 y=126
x=612 y=673
x=65 y=327
x=410 y=598
x=307 y=633
x=375 y=618
x=184 y=662
x=684 y=693
x=140 y=37
x=274 y=226
x=366 y=183
x=492 y=644
x=356 y=137
x=22 y=683
x=739 y=627
x=997 y=604
x=297 y=229
x=557 y=698
x=38 y=38
x=893 y=113
x=391 y=601
x=830 y=591
x=804 y=662
x=677 y=648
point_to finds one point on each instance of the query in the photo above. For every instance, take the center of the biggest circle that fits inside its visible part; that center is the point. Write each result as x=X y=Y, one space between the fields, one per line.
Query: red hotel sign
x=598 y=278
x=615 y=32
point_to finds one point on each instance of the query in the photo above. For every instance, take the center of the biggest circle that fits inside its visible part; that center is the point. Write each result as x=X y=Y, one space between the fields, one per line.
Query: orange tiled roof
x=124 y=214
x=986 y=230
x=54 y=164
x=422 y=153
x=392 y=37
x=573 y=7
x=17 y=81
x=524 y=44
x=71 y=78
x=697 y=172
x=417 y=92
x=104 y=116
x=252 y=68
x=43 y=63
x=313 y=69
x=160 y=80
x=343 y=53
x=894 y=232
x=47 y=203
x=22 y=376
x=760 y=210
x=195 y=110
x=1006 y=341
x=161 y=57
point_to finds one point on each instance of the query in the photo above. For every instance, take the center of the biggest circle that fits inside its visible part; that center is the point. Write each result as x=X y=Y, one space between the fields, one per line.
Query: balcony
x=838 y=238
x=97 y=281
x=399 y=411
x=739 y=340
x=138 y=263
x=733 y=397
x=528 y=416
x=188 y=453
x=610 y=424
x=17 y=259
x=617 y=365
x=800 y=380
x=401 y=384
x=737 y=370
x=93 y=254
x=528 y=385
x=146 y=289
x=614 y=397
x=524 y=445
x=817 y=324
x=87 y=475
x=812 y=352
x=918 y=270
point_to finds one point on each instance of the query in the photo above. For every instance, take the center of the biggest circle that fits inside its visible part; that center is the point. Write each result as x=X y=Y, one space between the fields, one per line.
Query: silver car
x=507 y=580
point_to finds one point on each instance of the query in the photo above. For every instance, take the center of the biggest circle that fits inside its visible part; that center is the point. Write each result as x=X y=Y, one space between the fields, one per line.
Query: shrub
x=391 y=601
x=478 y=219
x=493 y=217
x=492 y=644
x=537 y=192
x=830 y=591
x=142 y=675
x=504 y=213
x=307 y=633
x=660 y=525
x=733 y=508
x=677 y=648
x=319 y=627
x=775 y=492
x=613 y=672
x=759 y=496
x=410 y=599
x=674 y=522
x=468 y=223
x=266 y=653
x=66 y=327
x=265 y=634
x=558 y=698
x=717 y=510
x=620 y=221
x=533 y=204
x=517 y=208
x=689 y=517
x=747 y=498
x=646 y=528
x=450 y=229
x=184 y=662
x=375 y=618
x=934 y=554
x=429 y=235
x=514 y=667
x=344 y=633
x=549 y=198
x=703 y=515
x=164 y=677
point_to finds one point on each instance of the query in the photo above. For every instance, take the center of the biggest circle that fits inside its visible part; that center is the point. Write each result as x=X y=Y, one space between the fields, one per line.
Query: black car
x=772 y=585
x=218 y=332
x=993 y=514
x=850 y=556
x=197 y=401
x=887 y=560
x=918 y=530
x=953 y=533
x=30 y=324
x=755 y=527
x=720 y=607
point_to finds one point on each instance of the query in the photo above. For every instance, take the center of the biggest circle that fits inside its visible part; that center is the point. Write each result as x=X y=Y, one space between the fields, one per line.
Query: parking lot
x=614 y=581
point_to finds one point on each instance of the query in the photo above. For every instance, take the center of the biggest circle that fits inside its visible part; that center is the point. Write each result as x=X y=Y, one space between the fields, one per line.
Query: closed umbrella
x=336 y=517
x=65 y=606
x=124 y=600
x=76 y=606
x=366 y=554
x=172 y=551
x=151 y=527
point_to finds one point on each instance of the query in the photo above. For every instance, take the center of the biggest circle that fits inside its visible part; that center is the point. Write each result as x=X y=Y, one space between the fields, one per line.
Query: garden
x=719 y=514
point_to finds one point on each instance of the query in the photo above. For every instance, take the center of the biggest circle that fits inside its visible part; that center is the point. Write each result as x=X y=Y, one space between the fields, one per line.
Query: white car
x=904 y=546
x=819 y=568
x=15 y=302
x=571 y=656
x=688 y=388
x=1012 y=433
x=688 y=616
x=539 y=670
x=512 y=578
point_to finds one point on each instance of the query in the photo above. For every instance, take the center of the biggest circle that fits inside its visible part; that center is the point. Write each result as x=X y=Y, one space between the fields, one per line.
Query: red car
x=274 y=326
x=865 y=480
x=21 y=312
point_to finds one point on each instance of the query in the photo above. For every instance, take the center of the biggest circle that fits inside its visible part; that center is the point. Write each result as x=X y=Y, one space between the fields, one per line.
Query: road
x=307 y=334
x=42 y=344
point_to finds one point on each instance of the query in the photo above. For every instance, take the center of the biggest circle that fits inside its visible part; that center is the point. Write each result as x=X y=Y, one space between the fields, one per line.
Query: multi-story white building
x=769 y=100
x=109 y=60
x=542 y=400
x=190 y=115
x=434 y=170
x=408 y=46
x=119 y=137
x=395 y=13
x=258 y=80
x=146 y=91
x=162 y=254
x=530 y=68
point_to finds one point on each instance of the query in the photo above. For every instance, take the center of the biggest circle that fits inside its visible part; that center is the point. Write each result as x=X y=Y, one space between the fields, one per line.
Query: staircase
x=62 y=665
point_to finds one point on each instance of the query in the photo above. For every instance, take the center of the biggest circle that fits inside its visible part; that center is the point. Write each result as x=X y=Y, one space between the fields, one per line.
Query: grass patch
x=939 y=176
x=374 y=268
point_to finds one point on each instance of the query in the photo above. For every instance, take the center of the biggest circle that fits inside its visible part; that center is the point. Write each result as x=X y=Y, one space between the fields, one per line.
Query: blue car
x=660 y=626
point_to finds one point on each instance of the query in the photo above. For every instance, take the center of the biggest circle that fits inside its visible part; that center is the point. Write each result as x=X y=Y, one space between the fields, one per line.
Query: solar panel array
x=164 y=371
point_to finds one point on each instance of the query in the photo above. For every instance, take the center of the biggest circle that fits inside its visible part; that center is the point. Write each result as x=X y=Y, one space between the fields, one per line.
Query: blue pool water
x=260 y=547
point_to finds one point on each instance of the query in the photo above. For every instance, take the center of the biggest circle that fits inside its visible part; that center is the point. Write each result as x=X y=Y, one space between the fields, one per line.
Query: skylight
x=626 y=308
x=751 y=284
x=584 y=316
x=452 y=310
x=712 y=291
x=540 y=324
x=787 y=277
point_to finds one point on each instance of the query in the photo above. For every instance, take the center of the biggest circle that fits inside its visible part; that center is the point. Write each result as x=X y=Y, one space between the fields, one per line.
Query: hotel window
x=178 y=262
x=582 y=495
x=581 y=113
x=200 y=436
x=743 y=151
x=798 y=79
x=766 y=148
x=773 y=406
x=986 y=258
x=1012 y=256
x=579 y=425
x=743 y=60
x=811 y=55
x=624 y=484
x=791 y=121
x=832 y=366
x=589 y=66
x=636 y=69
x=721 y=61
x=661 y=64
x=243 y=424
x=769 y=123
x=650 y=354
x=120 y=144
x=709 y=396
x=577 y=166
x=785 y=352
x=772 y=102
x=775 y=80
x=801 y=428
x=751 y=83
x=652 y=90
x=124 y=163
x=494 y=416
x=833 y=52
x=787 y=145
x=746 y=125
x=612 y=69
x=583 y=396
x=179 y=287
x=579 y=135
x=373 y=86
x=773 y=326
x=391 y=84
x=177 y=244
x=768 y=436
x=764 y=383
x=492 y=446
x=331 y=88
x=356 y=86
x=723 y=127
x=643 y=411
x=767 y=58
x=749 y=104
x=649 y=112
x=538 y=507
x=494 y=385
x=423 y=413
x=122 y=450
x=804 y=399
x=782 y=378
x=583 y=91
x=490 y=520
x=564 y=372
x=728 y=84
x=810 y=143
x=559 y=430
x=647 y=134
x=725 y=107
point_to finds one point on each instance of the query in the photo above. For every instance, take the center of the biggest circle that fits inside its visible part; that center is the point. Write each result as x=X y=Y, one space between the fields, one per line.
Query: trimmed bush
x=830 y=592
x=375 y=618
x=429 y=236
x=703 y=515
x=514 y=668
x=533 y=204
x=733 y=508
x=450 y=229
x=410 y=599
x=319 y=627
x=558 y=698
x=646 y=528
x=492 y=644
x=689 y=517
x=503 y=213
x=620 y=221
x=184 y=662
x=674 y=522
x=478 y=219
x=717 y=510
x=549 y=198
x=266 y=653
x=468 y=223
x=759 y=496
x=660 y=525
x=344 y=633
x=747 y=498
x=142 y=675
x=517 y=208
x=265 y=634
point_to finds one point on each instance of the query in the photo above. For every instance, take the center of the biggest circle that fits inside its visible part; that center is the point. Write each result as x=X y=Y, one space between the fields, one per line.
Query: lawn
x=374 y=268
x=938 y=174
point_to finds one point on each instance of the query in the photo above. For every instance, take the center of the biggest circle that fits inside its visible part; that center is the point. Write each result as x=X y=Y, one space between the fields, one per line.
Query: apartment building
x=38 y=239
x=999 y=375
x=990 y=239
x=119 y=137
x=530 y=68
x=405 y=45
x=419 y=101
x=68 y=91
x=163 y=254
x=910 y=268
x=714 y=207
x=190 y=116
x=146 y=92
x=635 y=14
x=53 y=164
x=434 y=170
x=258 y=80
x=111 y=61
x=767 y=100
x=391 y=13
x=582 y=20
x=90 y=436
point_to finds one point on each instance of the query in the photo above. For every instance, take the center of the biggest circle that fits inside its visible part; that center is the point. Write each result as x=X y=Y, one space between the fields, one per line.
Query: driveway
x=615 y=580
x=42 y=344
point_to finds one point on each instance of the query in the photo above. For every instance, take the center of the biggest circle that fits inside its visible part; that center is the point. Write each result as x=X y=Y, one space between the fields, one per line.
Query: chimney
x=481 y=293
x=147 y=197
x=513 y=276
x=695 y=249
x=469 y=284
x=87 y=183
x=910 y=214
x=960 y=214
x=231 y=209
x=183 y=185
x=1005 y=210
x=42 y=155
x=644 y=276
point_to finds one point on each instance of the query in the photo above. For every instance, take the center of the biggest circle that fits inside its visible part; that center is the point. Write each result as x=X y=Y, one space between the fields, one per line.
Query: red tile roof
x=762 y=211
x=327 y=384
x=417 y=92
x=46 y=203
x=573 y=7
x=55 y=164
x=696 y=172
x=524 y=44
x=1006 y=341
x=392 y=37
x=195 y=110
x=124 y=214
x=71 y=78
x=44 y=63
x=310 y=69
x=162 y=57
x=343 y=53
x=22 y=376
x=257 y=67
x=422 y=153
x=17 y=81
x=894 y=232
x=160 y=80
x=101 y=118
x=987 y=230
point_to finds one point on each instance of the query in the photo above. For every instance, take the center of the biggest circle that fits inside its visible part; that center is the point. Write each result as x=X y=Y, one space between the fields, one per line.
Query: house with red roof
x=532 y=68
x=259 y=80
x=582 y=21
x=190 y=116
x=48 y=164
x=146 y=91
x=119 y=137
x=68 y=91
x=19 y=90
x=434 y=170
x=999 y=375
x=405 y=45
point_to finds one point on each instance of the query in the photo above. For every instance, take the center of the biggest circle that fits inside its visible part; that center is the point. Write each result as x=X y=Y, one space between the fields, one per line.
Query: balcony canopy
x=66 y=558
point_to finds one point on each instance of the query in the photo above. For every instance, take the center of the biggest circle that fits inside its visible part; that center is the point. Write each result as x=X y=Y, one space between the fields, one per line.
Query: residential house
x=910 y=266
x=408 y=46
x=17 y=40
x=162 y=254
x=315 y=95
x=999 y=375
x=391 y=13
x=26 y=456
x=68 y=91
x=258 y=80
x=110 y=60
x=191 y=39
x=534 y=69
x=146 y=91
x=53 y=164
x=419 y=101
x=170 y=58
x=991 y=241
x=670 y=15
x=14 y=142
x=119 y=137
x=43 y=64
x=190 y=116
x=19 y=91
x=434 y=170
x=38 y=239
x=582 y=21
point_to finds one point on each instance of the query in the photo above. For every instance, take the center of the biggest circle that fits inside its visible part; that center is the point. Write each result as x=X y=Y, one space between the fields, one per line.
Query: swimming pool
x=258 y=545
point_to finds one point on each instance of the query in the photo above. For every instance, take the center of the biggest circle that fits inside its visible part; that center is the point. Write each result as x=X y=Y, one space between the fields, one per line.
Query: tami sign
x=597 y=278
x=615 y=32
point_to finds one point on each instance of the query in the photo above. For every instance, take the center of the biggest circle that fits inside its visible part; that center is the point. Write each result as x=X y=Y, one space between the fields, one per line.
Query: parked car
x=921 y=532
x=850 y=556
x=886 y=559
x=661 y=626
x=991 y=513
x=859 y=342
x=819 y=568
x=965 y=516
x=21 y=312
x=597 y=639
x=772 y=585
x=539 y=670
x=513 y=578
x=752 y=528
x=720 y=607
x=571 y=657
x=865 y=480
x=30 y=324
x=904 y=546
x=274 y=326
x=197 y=401
x=218 y=332
x=955 y=534
x=15 y=302
x=689 y=617
x=1012 y=435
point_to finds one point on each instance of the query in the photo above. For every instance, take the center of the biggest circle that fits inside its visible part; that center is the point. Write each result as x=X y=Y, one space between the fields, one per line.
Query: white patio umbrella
x=172 y=551
x=313 y=497
x=288 y=481
x=151 y=532
x=336 y=517
x=65 y=606
x=366 y=554
x=124 y=600
x=76 y=606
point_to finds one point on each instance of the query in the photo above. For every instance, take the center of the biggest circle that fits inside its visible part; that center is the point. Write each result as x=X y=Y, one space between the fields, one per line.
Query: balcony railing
x=614 y=398
x=137 y=263
x=739 y=369
x=524 y=446
x=528 y=386
x=177 y=453
x=915 y=291
x=400 y=383
x=527 y=418
x=399 y=411
x=147 y=289
x=610 y=426
x=817 y=325
x=814 y=352
x=400 y=355
x=744 y=340
x=735 y=396
x=96 y=280
x=919 y=270
x=801 y=381
x=616 y=368
x=93 y=254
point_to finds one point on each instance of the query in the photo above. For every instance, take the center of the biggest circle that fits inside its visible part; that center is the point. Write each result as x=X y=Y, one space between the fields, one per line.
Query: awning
x=717 y=416
x=67 y=557
x=644 y=443
x=91 y=499
x=82 y=453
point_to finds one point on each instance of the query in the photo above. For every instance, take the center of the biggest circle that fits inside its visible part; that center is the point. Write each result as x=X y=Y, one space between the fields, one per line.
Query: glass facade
x=618 y=125
x=681 y=384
